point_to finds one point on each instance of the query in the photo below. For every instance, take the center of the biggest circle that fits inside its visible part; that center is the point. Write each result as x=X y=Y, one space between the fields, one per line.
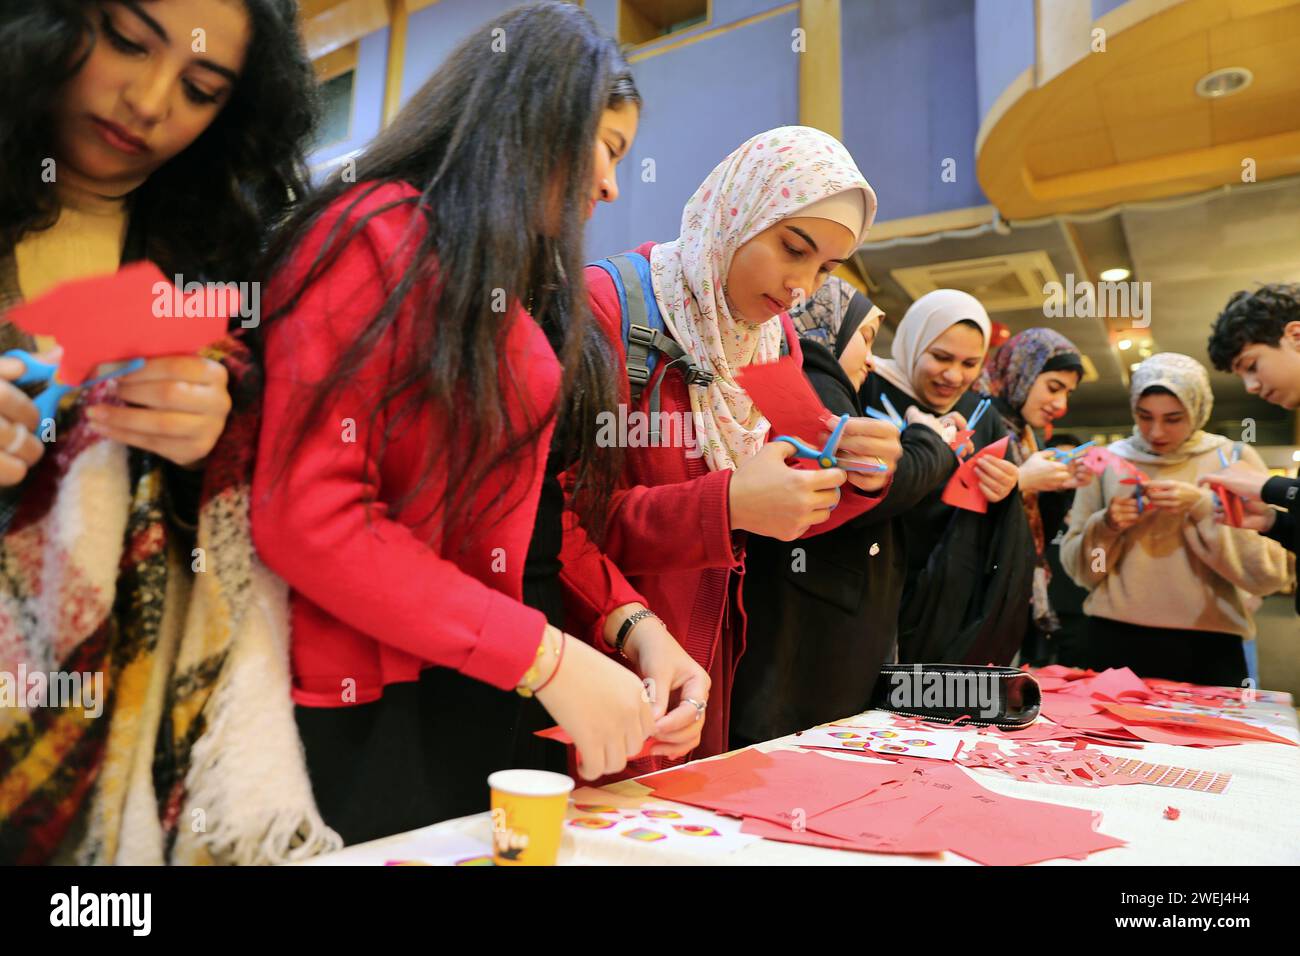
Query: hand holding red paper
x=601 y=704
x=970 y=488
x=181 y=399
x=669 y=673
x=1240 y=479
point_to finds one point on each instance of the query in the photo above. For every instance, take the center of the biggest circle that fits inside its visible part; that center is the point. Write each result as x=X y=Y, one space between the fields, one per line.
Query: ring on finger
x=20 y=434
x=699 y=706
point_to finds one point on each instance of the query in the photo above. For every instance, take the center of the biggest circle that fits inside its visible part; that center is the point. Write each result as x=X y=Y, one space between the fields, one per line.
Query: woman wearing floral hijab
x=1030 y=379
x=968 y=583
x=761 y=233
x=1167 y=579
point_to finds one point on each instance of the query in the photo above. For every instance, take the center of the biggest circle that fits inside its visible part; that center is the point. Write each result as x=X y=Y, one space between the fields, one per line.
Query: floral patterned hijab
x=772 y=176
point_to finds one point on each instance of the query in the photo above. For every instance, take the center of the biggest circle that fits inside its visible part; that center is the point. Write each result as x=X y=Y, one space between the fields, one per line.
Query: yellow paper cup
x=528 y=816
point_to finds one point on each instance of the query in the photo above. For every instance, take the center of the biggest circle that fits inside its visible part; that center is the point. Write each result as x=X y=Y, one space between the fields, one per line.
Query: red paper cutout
x=1191 y=724
x=962 y=490
x=111 y=318
x=560 y=735
x=786 y=398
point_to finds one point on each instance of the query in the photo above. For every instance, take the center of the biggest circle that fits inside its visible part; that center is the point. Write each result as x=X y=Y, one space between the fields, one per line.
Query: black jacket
x=1285 y=493
x=969 y=576
x=822 y=611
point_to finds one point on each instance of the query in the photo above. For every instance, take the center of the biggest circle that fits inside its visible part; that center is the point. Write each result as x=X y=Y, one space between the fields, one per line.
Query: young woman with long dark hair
x=123 y=138
x=432 y=373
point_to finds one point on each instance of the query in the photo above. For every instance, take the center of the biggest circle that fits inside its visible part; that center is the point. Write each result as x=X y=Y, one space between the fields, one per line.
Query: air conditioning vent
x=1001 y=283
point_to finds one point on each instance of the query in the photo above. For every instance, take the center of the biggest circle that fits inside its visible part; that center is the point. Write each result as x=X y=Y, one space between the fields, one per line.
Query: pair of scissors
x=35 y=372
x=826 y=456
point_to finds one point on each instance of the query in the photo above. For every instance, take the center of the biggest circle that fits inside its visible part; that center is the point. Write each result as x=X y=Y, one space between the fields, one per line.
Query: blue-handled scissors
x=35 y=371
x=826 y=456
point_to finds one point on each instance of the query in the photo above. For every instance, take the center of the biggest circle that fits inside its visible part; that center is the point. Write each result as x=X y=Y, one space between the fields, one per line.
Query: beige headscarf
x=928 y=318
x=785 y=172
x=1187 y=379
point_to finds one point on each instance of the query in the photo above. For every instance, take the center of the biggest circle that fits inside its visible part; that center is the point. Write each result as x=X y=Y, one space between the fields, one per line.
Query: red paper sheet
x=786 y=398
x=1111 y=684
x=559 y=734
x=784 y=834
x=1190 y=724
x=963 y=490
x=778 y=787
x=111 y=319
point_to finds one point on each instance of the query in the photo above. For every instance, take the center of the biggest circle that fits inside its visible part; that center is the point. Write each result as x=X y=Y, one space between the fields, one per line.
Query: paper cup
x=528 y=816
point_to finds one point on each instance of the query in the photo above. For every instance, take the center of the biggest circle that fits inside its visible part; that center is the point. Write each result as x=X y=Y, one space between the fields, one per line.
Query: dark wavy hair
x=208 y=211
x=1251 y=317
x=491 y=142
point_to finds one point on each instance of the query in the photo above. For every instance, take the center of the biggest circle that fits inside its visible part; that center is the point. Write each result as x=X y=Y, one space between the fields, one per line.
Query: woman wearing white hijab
x=761 y=233
x=1166 y=582
x=968 y=580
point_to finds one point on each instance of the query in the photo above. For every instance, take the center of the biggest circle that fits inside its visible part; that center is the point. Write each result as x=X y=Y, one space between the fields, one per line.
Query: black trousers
x=1197 y=657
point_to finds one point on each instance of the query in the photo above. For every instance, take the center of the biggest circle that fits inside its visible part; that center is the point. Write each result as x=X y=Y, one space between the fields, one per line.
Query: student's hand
x=668 y=672
x=865 y=439
x=1239 y=478
x=1174 y=496
x=1257 y=516
x=1080 y=475
x=944 y=428
x=1122 y=513
x=602 y=706
x=180 y=404
x=1042 y=472
x=957 y=421
x=770 y=498
x=997 y=477
x=20 y=423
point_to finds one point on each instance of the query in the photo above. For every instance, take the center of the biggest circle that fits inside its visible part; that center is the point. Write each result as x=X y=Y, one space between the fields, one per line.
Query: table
x=1256 y=821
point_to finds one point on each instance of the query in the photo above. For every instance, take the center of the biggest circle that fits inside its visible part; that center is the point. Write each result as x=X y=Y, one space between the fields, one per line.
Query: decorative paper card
x=646 y=821
x=934 y=744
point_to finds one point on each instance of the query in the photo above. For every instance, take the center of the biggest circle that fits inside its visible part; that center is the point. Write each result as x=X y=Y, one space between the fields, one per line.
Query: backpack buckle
x=698 y=376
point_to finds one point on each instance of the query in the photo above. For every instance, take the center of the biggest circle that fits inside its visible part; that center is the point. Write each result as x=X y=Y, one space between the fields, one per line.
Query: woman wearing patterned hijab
x=761 y=233
x=1167 y=580
x=1030 y=379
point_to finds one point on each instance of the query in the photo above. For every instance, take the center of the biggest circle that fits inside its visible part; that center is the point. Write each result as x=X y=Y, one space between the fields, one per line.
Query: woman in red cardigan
x=423 y=357
x=763 y=231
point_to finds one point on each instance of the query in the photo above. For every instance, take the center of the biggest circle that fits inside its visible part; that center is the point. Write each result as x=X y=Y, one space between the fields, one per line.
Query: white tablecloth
x=1255 y=821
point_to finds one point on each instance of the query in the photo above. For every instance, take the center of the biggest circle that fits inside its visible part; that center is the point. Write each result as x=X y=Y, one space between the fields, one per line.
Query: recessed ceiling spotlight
x=1225 y=82
x=1115 y=275
x=1125 y=344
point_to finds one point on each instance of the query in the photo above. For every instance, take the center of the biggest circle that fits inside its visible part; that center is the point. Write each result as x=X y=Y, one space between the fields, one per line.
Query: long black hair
x=499 y=144
x=206 y=212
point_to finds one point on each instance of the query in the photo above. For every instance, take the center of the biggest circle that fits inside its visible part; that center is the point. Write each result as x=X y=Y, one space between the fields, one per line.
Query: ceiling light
x=1133 y=367
x=1118 y=274
x=1225 y=82
x=1125 y=344
x=1295 y=456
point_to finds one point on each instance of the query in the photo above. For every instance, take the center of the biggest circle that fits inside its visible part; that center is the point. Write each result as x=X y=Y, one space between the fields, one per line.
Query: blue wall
x=433 y=32
x=1102 y=7
x=1004 y=46
x=701 y=102
x=910 y=102
x=367 y=98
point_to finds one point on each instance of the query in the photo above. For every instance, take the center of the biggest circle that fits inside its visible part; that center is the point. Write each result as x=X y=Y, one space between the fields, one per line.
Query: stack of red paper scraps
x=1116 y=706
x=911 y=806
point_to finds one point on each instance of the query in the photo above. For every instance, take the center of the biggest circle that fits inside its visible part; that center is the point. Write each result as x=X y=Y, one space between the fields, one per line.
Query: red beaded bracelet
x=558 y=661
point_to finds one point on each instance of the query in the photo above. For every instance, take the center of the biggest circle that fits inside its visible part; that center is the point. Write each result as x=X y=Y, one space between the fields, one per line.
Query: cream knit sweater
x=1171 y=570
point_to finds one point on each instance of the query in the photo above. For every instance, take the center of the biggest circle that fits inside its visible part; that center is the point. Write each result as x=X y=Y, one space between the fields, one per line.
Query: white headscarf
x=928 y=318
x=1187 y=379
x=775 y=175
